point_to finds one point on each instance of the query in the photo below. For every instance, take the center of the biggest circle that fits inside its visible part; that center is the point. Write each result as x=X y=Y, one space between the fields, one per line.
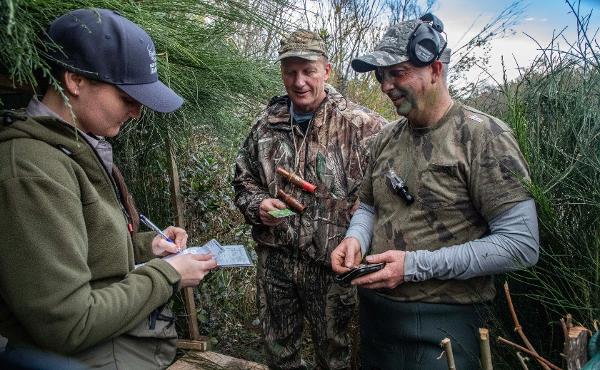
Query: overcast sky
x=539 y=20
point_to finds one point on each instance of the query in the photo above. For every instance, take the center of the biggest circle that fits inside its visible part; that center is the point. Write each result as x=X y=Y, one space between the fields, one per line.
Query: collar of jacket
x=48 y=129
x=279 y=113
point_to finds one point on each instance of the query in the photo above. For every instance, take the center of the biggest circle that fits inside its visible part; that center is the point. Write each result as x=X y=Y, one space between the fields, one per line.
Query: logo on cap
x=423 y=53
x=152 y=55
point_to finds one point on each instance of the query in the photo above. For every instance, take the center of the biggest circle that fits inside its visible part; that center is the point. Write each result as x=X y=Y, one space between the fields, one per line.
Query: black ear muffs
x=425 y=43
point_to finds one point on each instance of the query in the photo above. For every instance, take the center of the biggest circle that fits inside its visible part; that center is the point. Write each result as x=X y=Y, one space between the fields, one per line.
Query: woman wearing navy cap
x=68 y=282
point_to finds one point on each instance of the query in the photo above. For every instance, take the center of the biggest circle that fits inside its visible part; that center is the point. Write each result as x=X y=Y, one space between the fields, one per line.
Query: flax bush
x=554 y=110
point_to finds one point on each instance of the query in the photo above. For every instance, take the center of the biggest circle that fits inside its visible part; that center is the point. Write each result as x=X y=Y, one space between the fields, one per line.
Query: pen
x=155 y=228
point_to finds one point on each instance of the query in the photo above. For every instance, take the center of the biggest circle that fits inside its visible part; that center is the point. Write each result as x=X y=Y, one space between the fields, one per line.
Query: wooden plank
x=182 y=365
x=200 y=344
x=213 y=360
x=7 y=85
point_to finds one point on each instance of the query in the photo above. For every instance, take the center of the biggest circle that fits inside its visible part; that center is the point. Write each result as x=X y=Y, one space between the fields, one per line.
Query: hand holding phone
x=358 y=271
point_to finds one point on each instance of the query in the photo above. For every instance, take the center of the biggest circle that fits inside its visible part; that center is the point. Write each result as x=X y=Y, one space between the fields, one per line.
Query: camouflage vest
x=332 y=156
x=462 y=172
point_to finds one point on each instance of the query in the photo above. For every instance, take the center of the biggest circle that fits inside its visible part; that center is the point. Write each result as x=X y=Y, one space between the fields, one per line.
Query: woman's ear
x=72 y=82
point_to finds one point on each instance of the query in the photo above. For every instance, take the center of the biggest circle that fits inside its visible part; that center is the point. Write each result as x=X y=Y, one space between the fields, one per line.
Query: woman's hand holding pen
x=161 y=247
x=191 y=267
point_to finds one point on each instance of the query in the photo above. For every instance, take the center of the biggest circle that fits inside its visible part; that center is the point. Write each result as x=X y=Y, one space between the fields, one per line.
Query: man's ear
x=327 y=71
x=72 y=82
x=437 y=71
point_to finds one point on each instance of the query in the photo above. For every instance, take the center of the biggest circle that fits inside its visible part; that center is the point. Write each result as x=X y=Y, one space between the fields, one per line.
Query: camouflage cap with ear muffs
x=393 y=48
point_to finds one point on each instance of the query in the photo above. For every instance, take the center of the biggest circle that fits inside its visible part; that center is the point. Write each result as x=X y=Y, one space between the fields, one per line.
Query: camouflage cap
x=392 y=49
x=302 y=44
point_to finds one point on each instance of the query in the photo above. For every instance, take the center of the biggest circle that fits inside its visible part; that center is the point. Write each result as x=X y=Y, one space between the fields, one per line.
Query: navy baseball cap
x=105 y=46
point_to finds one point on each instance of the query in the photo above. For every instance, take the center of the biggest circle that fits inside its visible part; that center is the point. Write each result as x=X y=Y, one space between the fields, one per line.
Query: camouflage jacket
x=332 y=156
x=462 y=173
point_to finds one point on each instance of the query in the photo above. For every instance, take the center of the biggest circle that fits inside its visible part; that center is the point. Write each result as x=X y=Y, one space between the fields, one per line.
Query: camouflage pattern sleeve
x=247 y=185
x=498 y=173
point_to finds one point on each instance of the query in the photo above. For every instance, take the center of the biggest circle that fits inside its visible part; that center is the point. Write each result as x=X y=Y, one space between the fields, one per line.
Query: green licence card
x=280 y=213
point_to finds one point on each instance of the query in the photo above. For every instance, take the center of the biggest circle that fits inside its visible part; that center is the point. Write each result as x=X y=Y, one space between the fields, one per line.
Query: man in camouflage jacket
x=316 y=133
x=444 y=204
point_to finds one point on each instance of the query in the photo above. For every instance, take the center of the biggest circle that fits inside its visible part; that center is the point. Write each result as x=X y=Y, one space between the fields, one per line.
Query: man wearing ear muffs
x=442 y=205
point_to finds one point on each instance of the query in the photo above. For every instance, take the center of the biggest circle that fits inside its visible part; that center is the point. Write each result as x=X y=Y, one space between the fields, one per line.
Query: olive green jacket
x=67 y=276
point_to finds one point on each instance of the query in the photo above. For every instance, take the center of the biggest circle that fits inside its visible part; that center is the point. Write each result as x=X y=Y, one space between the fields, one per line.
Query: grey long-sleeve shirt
x=513 y=243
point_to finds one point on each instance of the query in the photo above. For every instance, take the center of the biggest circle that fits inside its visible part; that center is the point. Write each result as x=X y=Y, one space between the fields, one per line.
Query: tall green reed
x=554 y=111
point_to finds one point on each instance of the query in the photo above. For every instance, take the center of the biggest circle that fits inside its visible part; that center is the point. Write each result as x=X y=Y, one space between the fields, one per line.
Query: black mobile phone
x=358 y=271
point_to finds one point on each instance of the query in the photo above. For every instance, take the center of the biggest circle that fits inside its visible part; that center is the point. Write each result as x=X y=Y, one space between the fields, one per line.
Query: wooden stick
x=190 y=307
x=569 y=318
x=177 y=203
x=484 y=346
x=518 y=327
x=565 y=330
x=447 y=346
x=522 y=360
x=529 y=352
x=575 y=348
